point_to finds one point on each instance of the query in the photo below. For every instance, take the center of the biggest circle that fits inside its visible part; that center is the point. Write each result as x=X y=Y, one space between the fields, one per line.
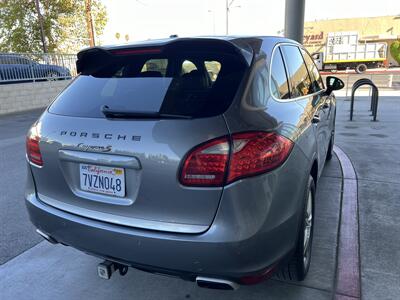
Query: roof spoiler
x=88 y=59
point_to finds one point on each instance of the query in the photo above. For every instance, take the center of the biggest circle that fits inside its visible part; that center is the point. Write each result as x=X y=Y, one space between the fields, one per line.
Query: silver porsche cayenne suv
x=192 y=157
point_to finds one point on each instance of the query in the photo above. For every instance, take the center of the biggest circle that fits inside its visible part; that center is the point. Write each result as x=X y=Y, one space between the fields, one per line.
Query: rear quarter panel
x=268 y=201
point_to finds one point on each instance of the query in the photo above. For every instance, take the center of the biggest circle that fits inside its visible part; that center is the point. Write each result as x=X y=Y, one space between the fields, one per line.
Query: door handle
x=316 y=119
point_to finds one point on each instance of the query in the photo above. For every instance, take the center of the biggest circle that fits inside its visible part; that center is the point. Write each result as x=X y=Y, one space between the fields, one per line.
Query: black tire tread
x=329 y=155
x=359 y=68
x=289 y=271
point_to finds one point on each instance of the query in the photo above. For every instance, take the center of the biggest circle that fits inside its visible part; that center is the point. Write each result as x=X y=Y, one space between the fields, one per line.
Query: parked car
x=170 y=171
x=19 y=68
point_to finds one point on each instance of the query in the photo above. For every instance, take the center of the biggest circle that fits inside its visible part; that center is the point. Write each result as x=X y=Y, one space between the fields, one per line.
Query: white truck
x=344 y=51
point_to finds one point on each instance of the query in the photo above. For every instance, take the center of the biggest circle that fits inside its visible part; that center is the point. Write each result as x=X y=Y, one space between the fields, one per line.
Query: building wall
x=376 y=29
x=25 y=96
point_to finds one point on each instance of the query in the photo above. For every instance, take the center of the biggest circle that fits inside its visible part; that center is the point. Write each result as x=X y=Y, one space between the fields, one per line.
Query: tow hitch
x=107 y=268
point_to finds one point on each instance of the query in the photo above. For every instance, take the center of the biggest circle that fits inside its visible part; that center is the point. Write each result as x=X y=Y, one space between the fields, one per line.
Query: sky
x=149 y=19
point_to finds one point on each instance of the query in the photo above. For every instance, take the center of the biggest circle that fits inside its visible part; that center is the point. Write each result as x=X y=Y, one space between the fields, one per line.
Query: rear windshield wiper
x=122 y=114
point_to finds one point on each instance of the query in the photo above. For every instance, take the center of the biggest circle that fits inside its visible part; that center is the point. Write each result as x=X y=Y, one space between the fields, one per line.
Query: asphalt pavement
x=16 y=232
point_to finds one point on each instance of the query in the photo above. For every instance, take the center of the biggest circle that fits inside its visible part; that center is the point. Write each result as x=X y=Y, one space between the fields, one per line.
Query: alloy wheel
x=307 y=230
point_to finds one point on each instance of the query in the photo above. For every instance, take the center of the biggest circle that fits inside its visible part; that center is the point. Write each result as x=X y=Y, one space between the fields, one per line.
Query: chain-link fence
x=23 y=67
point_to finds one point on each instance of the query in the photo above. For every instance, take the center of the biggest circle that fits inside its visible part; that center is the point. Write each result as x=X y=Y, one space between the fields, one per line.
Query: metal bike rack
x=374 y=97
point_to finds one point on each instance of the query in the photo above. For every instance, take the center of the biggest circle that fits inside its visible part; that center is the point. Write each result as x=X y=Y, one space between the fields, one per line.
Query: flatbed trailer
x=344 y=51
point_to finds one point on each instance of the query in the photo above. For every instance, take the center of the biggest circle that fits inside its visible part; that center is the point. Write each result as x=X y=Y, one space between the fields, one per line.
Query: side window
x=9 y=60
x=316 y=78
x=279 y=82
x=156 y=67
x=300 y=80
x=25 y=61
x=14 y=61
x=213 y=67
x=187 y=67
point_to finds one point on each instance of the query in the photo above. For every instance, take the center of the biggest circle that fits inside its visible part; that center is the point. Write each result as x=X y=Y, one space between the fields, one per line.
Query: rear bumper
x=256 y=225
x=181 y=255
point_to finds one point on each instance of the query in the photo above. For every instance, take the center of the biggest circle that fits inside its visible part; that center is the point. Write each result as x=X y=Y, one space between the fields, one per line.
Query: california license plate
x=102 y=180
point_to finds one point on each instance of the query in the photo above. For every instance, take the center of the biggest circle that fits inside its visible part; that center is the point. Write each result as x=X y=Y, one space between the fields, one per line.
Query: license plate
x=103 y=180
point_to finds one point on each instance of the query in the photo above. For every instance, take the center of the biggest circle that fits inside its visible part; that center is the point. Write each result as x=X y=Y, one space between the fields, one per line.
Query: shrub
x=395 y=51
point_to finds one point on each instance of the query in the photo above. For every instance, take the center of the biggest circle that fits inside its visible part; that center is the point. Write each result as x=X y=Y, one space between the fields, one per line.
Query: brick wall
x=25 y=96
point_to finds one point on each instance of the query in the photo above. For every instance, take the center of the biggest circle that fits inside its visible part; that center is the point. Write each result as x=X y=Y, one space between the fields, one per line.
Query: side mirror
x=315 y=55
x=333 y=84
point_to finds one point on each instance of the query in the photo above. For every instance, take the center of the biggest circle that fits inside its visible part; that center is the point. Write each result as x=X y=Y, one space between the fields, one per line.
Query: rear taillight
x=257 y=152
x=206 y=164
x=220 y=161
x=33 y=150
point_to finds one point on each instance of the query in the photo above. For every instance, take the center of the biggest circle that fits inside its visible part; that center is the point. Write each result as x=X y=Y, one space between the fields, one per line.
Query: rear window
x=157 y=65
x=189 y=83
x=213 y=68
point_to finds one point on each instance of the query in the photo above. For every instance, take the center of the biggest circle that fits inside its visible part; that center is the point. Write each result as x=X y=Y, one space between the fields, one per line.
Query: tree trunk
x=40 y=18
x=89 y=22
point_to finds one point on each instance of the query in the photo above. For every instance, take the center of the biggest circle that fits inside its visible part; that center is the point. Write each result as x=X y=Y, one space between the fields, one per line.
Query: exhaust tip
x=215 y=283
x=46 y=237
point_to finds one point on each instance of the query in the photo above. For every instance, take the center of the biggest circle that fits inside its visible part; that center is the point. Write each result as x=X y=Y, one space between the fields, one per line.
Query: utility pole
x=89 y=22
x=294 y=19
x=228 y=6
x=213 y=16
x=40 y=18
x=227 y=16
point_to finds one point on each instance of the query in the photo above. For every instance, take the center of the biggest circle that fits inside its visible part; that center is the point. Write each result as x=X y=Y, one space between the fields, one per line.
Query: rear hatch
x=113 y=142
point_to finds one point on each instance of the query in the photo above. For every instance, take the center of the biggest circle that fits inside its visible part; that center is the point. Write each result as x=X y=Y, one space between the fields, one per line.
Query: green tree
x=395 y=51
x=64 y=25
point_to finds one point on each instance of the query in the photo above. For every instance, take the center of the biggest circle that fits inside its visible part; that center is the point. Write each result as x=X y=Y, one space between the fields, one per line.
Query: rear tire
x=297 y=267
x=329 y=154
x=361 y=68
x=52 y=76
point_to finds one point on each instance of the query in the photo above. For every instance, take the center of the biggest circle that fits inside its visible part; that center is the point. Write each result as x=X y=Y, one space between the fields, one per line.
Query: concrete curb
x=348 y=283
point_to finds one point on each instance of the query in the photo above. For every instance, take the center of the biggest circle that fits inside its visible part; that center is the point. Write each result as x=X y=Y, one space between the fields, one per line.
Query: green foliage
x=64 y=25
x=395 y=51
